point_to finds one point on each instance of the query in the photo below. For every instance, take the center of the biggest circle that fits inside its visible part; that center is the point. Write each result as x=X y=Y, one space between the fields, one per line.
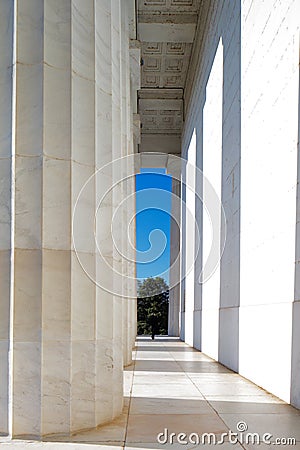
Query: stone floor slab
x=177 y=388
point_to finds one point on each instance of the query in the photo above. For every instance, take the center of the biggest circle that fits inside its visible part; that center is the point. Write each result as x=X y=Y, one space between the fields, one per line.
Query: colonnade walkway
x=172 y=388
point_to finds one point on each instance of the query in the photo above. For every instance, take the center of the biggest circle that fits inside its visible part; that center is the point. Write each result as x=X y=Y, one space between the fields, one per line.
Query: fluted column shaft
x=70 y=119
x=174 y=294
x=6 y=162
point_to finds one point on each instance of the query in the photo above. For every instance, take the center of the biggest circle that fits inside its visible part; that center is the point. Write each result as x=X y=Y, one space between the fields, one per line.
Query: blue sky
x=153 y=209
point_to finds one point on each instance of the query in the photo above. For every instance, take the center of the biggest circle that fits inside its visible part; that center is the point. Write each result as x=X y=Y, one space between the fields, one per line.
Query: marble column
x=43 y=357
x=135 y=126
x=183 y=252
x=112 y=135
x=6 y=152
x=83 y=302
x=30 y=161
x=174 y=294
x=132 y=304
x=72 y=116
x=190 y=241
x=125 y=108
x=295 y=367
x=198 y=238
x=118 y=232
x=53 y=216
x=103 y=148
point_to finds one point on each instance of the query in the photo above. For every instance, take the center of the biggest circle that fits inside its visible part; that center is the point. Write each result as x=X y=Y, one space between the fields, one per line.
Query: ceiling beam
x=166 y=32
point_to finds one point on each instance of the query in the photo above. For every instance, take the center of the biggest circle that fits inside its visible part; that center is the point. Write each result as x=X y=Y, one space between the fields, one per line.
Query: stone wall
x=244 y=314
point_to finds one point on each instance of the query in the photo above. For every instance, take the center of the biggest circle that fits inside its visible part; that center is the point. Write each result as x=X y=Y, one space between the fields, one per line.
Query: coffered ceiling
x=166 y=30
x=165 y=64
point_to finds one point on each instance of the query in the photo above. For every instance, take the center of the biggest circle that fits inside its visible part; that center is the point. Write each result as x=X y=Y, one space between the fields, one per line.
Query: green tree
x=153 y=300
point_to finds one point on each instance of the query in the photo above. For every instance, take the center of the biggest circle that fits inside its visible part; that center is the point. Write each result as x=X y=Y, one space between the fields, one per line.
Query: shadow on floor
x=159 y=338
x=153 y=348
x=151 y=365
x=150 y=416
x=191 y=396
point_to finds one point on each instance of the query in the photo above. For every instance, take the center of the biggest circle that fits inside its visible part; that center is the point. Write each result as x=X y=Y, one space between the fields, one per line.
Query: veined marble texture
x=57 y=113
x=56 y=204
x=27 y=295
x=5 y=203
x=28 y=202
x=83 y=320
x=4 y=375
x=56 y=384
x=173 y=320
x=83 y=120
x=30 y=32
x=83 y=385
x=72 y=116
x=84 y=216
x=29 y=109
x=57 y=33
x=6 y=160
x=103 y=70
x=57 y=307
x=26 y=406
x=83 y=39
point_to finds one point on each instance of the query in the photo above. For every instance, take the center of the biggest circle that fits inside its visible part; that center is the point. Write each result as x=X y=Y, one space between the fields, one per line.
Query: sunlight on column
x=190 y=241
x=212 y=168
x=268 y=193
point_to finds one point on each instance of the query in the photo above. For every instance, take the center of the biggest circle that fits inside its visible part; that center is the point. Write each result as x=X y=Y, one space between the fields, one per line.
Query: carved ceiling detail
x=165 y=64
x=166 y=31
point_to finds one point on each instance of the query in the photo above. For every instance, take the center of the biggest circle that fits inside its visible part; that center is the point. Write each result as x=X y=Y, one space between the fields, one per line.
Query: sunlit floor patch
x=172 y=388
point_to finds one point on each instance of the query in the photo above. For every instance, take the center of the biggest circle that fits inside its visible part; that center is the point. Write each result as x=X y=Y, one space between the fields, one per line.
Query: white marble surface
x=56 y=204
x=83 y=386
x=268 y=301
x=26 y=402
x=5 y=289
x=27 y=296
x=5 y=205
x=83 y=38
x=72 y=114
x=29 y=109
x=205 y=412
x=57 y=307
x=67 y=372
x=57 y=113
x=83 y=123
x=30 y=24
x=295 y=389
x=174 y=295
x=55 y=387
x=28 y=202
x=103 y=46
x=4 y=376
x=57 y=33
x=83 y=192
x=83 y=320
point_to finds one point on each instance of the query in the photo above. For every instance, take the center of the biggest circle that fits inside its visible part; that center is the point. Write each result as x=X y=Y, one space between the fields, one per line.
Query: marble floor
x=172 y=388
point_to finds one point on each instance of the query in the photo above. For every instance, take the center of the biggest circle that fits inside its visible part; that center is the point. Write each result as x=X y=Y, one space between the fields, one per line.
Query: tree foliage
x=153 y=300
